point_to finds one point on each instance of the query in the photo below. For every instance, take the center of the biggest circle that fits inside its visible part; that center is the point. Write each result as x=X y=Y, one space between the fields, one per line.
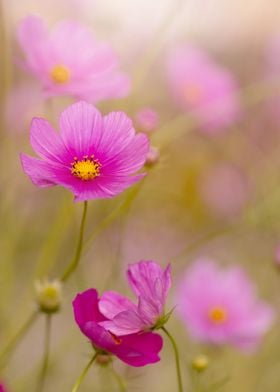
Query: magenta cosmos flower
x=220 y=306
x=202 y=88
x=134 y=349
x=150 y=283
x=69 y=61
x=92 y=156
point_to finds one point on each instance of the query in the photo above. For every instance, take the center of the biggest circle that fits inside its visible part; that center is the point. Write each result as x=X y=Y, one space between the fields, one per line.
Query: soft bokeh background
x=216 y=196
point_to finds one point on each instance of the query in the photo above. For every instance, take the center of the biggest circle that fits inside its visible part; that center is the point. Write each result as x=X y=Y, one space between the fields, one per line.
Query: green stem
x=19 y=335
x=46 y=355
x=177 y=360
x=119 y=379
x=83 y=374
x=75 y=260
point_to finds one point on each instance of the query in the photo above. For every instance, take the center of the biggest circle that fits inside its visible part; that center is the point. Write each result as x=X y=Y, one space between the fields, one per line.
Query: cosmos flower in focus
x=202 y=89
x=220 y=306
x=92 y=156
x=69 y=61
x=137 y=349
x=150 y=283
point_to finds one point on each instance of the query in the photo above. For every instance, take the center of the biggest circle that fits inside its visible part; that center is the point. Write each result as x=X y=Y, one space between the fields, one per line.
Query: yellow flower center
x=218 y=315
x=60 y=74
x=86 y=169
x=192 y=93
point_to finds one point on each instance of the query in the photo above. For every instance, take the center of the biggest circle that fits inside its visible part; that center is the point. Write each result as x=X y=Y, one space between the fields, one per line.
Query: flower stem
x=177 y=360
x=83 y=374
x=19 y=335
x=119 y=379
x=75 y=260
x=46 y=355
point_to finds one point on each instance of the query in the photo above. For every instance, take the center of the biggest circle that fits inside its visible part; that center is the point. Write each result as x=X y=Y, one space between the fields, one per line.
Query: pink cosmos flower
x=138 y=349
x=147 y=119
x=150 y=283
x=93 y=156
x=202 y=88
x=69 y=61
x=221 y=306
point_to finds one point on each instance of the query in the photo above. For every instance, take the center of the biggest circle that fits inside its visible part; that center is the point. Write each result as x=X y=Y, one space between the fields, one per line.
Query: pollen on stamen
x=60 y=74
x=86 y=169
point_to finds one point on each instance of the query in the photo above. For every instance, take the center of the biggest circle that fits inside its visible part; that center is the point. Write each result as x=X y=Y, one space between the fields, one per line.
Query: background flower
x=84 y=69
x=220 y=306
x=202 y=89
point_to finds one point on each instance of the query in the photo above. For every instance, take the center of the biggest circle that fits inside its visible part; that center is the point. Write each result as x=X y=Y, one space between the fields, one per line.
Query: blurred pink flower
x=150 y=284
x=203 y=89
x=93 y=156
x=225 y=189
x=133 y=349
x=221 y=306
x=69 y=61
x=147 y=119
x=2 y=388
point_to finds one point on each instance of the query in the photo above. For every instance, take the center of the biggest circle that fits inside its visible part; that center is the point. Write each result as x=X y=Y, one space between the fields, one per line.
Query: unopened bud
x=48 y=295
x=200 y=363
x=152 y=156
x=103 y=359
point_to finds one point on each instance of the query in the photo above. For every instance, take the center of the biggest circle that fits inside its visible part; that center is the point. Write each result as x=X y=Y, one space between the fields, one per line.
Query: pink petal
x=111 y=303
x=110 y=84
x=148 y=311
x=130 y=159
x=117 y=134
x=40 y=172
x=143 y=349
x=143 y=275
x=81 y=39
x=104 y=187
x=32 y=35
x=124 y=323
x=85 y=306
x=81 y=129
x=47 y=143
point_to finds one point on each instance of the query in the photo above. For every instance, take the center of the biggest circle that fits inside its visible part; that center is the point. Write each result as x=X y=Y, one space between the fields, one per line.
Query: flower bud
x=103 y=359
x=48 y=295
x=152 y=156
x=200 y=363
